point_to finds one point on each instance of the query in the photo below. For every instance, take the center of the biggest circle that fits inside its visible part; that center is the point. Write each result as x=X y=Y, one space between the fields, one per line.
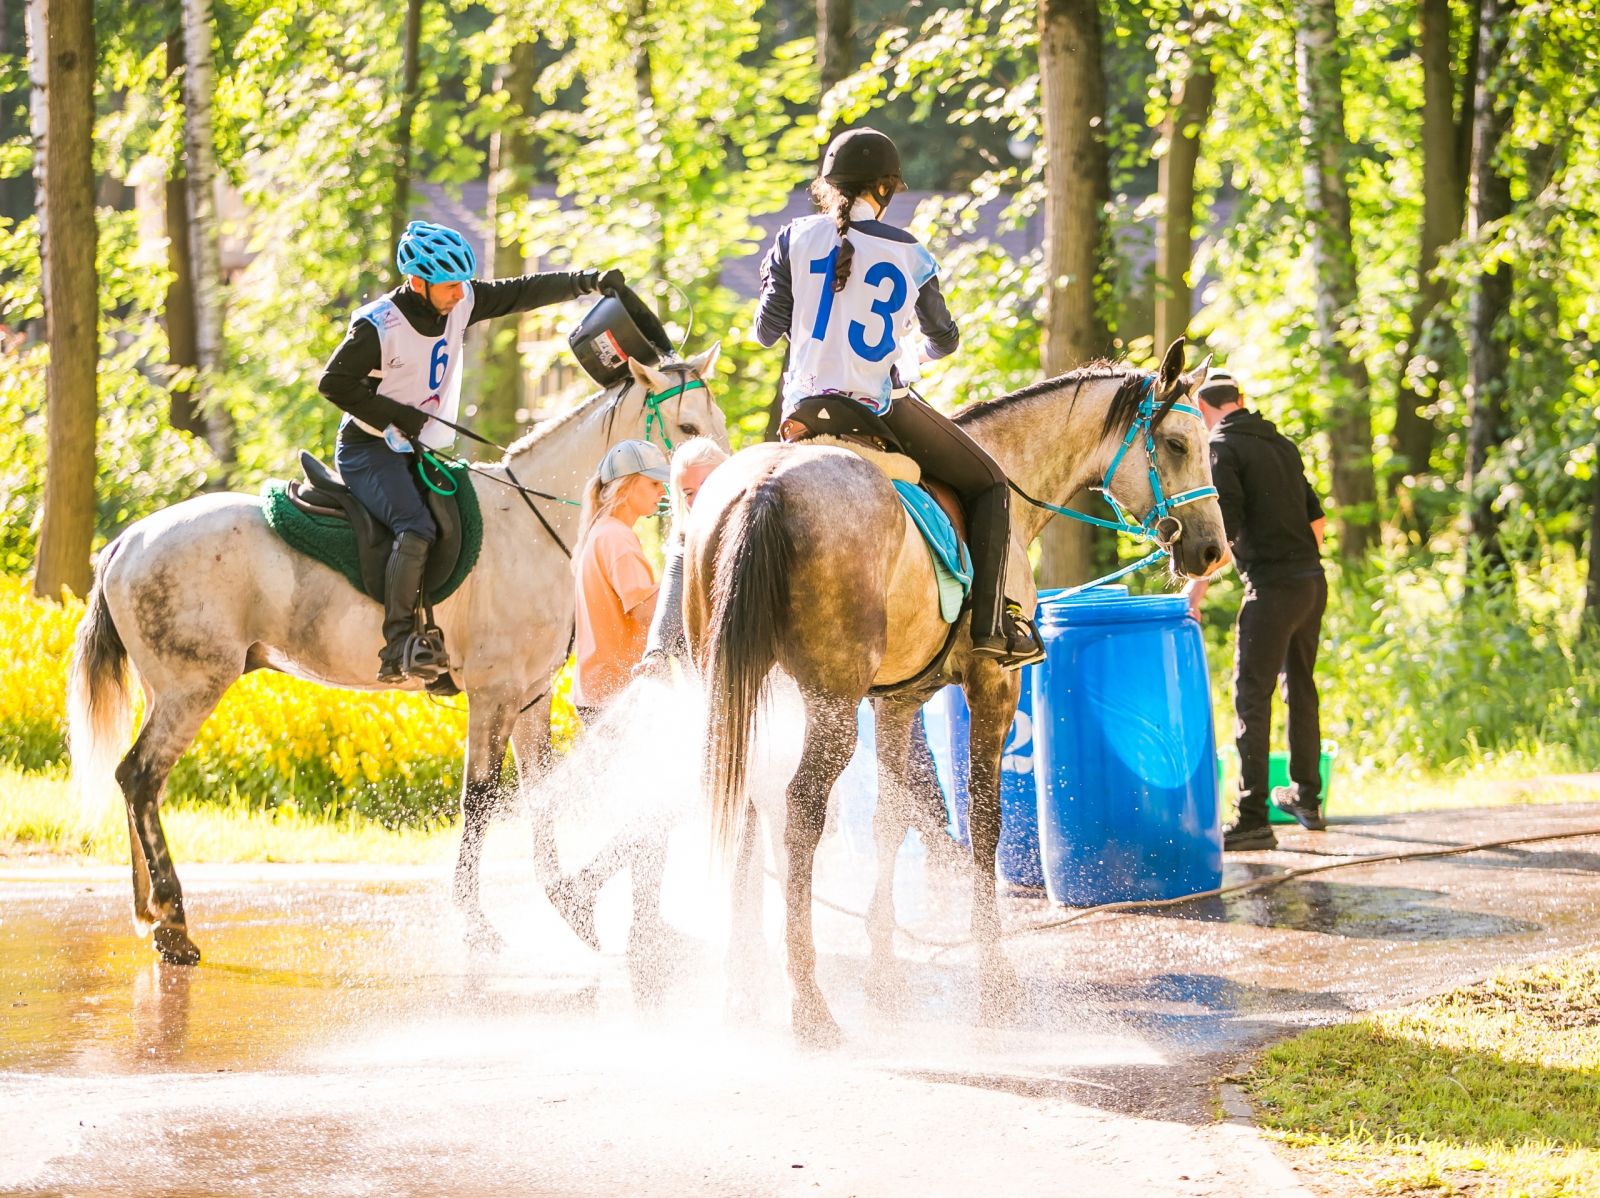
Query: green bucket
x=1278 y=775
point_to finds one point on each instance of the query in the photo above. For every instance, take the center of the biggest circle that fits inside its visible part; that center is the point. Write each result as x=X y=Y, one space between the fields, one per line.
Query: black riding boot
x=402 y=588
x=1000 y=630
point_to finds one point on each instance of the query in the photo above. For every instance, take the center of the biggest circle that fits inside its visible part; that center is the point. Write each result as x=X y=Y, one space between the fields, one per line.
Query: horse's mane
x=610 y=395
x=1120 y=413
x=546 y=427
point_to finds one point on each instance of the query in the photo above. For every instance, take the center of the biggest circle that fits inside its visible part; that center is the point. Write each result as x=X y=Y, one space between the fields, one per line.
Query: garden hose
x=944 y=946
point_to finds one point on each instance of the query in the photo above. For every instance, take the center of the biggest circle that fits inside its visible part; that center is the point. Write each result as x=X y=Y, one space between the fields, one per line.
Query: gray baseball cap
x=634 y=457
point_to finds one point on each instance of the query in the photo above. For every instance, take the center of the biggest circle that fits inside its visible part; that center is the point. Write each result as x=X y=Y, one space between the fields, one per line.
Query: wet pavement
x=338 y=1040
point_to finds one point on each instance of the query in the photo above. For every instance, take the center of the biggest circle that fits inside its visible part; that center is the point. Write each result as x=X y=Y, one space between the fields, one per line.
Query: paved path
x=338 y=1041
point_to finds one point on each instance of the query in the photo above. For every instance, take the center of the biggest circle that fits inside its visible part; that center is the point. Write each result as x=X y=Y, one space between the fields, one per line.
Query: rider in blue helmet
x=397 y=368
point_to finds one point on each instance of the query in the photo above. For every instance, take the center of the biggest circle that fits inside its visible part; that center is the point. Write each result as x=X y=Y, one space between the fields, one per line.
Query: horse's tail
x=99 y=707
x=749 y=600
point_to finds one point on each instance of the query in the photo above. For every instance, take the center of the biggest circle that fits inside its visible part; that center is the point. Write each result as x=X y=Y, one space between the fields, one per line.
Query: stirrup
x=1020 y=644
x=421 y=655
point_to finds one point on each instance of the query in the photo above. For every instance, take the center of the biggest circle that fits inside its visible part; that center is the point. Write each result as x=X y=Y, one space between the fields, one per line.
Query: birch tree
x=205 y=249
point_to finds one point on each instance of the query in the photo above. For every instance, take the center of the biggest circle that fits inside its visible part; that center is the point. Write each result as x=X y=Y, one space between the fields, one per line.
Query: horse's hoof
x=742 y=1008
x=483 y=939
x=999 y=991
x=174 y=946
x=886 y=987
x=575 y=905
x=814 y=1027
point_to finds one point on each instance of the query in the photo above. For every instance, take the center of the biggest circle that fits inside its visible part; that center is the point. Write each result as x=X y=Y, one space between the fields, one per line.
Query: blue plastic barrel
x=1124 y=752
x=949 y=726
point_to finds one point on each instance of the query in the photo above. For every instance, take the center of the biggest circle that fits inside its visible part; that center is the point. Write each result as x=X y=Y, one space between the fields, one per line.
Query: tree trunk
x=204 y=245
x=501 y=386
x=1443 y=199
x=1077 y=190
x=1489 y=350
x=62 y=69
x=836 y=21
x=400 y=210
x=179 y=312
x=1319 y=63
x=1185 y=122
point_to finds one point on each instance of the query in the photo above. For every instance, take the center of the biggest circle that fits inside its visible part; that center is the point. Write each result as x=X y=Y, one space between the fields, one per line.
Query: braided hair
x=836 y=199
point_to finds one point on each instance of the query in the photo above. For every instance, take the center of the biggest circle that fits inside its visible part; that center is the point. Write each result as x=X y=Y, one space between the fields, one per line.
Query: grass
x=40 y=814
x=1489 y=1090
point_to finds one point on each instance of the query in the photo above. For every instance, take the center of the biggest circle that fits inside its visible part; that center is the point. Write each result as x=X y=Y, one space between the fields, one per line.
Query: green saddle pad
x=333 y=542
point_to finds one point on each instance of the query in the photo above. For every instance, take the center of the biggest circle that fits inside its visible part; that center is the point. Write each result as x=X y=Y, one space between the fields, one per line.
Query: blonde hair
x=696 y=451
x=599 y=499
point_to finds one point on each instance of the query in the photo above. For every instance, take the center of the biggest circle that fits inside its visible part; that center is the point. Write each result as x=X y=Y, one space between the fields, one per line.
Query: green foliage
x=1467 y=675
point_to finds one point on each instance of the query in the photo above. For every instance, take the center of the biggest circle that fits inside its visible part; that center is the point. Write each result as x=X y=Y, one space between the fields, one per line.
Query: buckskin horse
x=195 y=596
x=801 y=557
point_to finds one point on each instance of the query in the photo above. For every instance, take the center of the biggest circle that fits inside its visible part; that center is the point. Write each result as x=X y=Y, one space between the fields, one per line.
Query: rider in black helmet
x=852 y=293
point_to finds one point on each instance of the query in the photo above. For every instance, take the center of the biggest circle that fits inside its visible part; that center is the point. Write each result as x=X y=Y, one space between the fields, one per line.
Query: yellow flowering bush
x=274 y=741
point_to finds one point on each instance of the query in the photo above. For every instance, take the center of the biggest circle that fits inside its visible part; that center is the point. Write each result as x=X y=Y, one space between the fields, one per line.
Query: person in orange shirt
x=616 y=597
x=616 y=588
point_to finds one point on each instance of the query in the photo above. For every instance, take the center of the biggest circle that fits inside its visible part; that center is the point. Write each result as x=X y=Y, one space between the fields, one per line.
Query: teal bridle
x=1160 y=523
x=654 y=417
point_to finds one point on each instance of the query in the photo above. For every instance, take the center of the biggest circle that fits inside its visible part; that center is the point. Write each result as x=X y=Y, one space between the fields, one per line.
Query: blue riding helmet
x=435 y=254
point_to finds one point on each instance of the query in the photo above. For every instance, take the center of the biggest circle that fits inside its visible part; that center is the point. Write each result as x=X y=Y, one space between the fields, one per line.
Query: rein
x=1159 y=524
x=653 y=416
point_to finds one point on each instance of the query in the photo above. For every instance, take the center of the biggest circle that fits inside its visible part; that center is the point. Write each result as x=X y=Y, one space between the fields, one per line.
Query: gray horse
x=800 y=556
x=196 y=595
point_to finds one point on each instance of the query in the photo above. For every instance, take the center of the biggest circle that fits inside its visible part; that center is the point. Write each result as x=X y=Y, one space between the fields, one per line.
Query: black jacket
x=1267 y=504
x=347 y=381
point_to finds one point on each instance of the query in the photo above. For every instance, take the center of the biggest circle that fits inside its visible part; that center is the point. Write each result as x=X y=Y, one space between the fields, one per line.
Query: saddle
x=323 y=493
x=855 y=427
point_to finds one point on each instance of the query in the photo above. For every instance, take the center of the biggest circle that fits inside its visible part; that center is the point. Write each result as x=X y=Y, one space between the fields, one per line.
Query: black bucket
x=619 y=326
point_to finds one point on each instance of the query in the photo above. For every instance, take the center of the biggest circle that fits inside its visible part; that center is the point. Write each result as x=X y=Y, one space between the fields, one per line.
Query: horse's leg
x=889 y=823
x=169 y=729
x=489 y=721
x=992 y=696
x=745 y=958
x=830 y=740
x=530 y=745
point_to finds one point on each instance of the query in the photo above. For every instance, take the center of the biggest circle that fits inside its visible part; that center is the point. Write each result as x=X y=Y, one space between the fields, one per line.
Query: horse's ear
x=1196 y=378
x=704 y=362
x=1171 y=365
x=648 y=377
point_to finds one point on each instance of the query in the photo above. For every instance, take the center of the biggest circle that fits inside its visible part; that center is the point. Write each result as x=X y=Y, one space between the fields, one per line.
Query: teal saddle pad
x=951 y=563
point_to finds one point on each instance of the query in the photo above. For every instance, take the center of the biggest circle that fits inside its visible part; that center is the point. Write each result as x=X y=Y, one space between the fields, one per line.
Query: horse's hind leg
x=169 y=729
x=889 y=824
x=992 y=696
x=488 y=729
x=830 y=740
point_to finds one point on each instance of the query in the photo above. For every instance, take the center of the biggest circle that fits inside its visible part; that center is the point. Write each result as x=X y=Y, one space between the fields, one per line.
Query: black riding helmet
x=859 y=156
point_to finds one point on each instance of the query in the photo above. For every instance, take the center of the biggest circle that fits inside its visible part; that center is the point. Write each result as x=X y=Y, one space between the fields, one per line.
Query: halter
x=653 y=401
x=1159 y=524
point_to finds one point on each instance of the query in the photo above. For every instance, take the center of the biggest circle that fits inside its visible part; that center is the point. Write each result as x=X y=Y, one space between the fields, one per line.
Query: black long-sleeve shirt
x=347 y=379
x=1268 y=507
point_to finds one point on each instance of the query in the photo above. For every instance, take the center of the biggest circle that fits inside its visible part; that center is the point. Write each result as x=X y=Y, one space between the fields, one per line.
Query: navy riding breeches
x=385 y=482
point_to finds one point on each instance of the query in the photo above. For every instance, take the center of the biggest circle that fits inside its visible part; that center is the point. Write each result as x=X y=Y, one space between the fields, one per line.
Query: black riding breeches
x=946 y=453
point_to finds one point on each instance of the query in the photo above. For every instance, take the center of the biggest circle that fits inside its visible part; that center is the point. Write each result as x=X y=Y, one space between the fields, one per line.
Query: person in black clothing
x=1274 y=524
x=397 y=368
